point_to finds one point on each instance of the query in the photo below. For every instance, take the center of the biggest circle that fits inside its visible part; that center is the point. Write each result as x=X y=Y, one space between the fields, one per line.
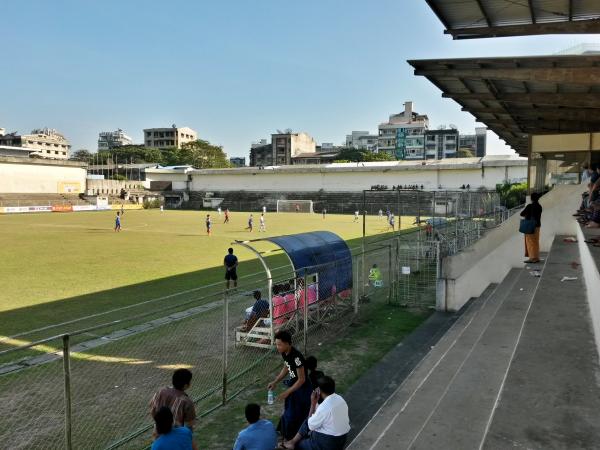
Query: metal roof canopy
x=517 y=97
x=321 y=252
x=471 y=19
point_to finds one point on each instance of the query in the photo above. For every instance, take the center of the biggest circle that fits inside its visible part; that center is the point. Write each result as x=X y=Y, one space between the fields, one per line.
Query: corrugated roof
x=468 y=19
x=519 y=96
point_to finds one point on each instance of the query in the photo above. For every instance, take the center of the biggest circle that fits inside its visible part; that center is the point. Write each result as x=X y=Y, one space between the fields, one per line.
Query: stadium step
x=447 y=400
x=507 y=374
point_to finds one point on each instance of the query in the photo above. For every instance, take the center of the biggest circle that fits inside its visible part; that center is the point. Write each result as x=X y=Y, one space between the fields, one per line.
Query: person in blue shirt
x=259 y=434
x=169 y=437
x=118 y=222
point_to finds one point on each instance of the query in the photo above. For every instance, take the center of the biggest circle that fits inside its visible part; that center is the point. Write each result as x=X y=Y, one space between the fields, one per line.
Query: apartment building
x=168 y=137
x=46 y=143
x=112 y=139
x=403 y=135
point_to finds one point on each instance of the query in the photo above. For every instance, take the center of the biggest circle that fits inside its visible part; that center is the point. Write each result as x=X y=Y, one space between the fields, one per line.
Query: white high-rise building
x=111 y=139
x=362 y=140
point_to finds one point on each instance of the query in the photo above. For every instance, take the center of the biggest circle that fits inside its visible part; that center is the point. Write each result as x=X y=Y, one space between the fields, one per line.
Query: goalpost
x=305 y=206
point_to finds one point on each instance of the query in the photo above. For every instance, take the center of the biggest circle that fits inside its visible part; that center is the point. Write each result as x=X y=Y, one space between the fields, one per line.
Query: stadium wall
x=20 y=175
x=350 y=177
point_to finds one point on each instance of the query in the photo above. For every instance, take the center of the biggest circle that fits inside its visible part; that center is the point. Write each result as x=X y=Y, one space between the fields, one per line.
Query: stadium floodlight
x=305 y=206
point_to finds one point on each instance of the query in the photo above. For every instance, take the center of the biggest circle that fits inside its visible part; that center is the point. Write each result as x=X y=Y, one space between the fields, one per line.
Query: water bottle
x=270 y=397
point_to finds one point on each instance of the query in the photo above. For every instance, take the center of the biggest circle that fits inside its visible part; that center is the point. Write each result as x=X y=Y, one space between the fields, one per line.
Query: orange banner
x=62 y=208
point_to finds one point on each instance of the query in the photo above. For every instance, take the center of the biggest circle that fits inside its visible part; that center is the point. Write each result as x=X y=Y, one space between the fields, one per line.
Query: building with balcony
x=441 y=143
x=403 y=135
x=111 y=139
x=261 y=154
x=168 y=137
x=287 y=145
x=45 y=143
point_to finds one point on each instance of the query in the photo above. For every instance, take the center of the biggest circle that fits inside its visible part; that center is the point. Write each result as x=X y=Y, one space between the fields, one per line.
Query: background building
x=168 y=137
x=288 y=145
x=46 y=142
x=112 y=139
x=473 y=144
x=362 y=140
x=441 y=143
x=403 y=136
x=261 y=153
x=238 y=161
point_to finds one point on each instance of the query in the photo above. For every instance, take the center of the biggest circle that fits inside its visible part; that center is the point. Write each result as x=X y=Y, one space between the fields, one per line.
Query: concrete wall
x=352 y=179
x=591 y=273
x=39 y=176
x=179 y=180
x=489 y=260
x=112 y=187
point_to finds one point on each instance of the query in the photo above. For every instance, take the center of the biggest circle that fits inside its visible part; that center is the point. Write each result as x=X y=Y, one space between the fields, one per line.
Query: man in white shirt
x=328 y=423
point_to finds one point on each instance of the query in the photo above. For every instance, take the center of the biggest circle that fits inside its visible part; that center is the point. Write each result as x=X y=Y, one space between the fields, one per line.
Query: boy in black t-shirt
x=297 y=395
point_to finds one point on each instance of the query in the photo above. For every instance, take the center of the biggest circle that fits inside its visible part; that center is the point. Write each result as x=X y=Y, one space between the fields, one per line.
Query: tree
x=81 y=155
x=360 y=155
x=202 y=155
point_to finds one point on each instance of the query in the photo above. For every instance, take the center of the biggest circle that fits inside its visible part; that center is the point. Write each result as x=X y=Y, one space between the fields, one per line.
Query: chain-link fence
x=91 y=388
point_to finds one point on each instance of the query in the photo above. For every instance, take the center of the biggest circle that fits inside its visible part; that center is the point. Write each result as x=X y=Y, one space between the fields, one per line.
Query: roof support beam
x=567 y=75
x=582 y=114
x=532 y=125
x=591 y=26
x=583 y=100
x=531 y=11
x=484 y=13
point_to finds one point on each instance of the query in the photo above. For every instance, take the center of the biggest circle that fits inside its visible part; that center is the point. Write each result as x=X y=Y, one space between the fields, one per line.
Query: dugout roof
x=517 y=97
x=470 y=19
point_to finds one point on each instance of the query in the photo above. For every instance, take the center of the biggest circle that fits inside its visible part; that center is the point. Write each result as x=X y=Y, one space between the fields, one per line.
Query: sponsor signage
x=25 y=209
x=62 y=208
x=84 y=207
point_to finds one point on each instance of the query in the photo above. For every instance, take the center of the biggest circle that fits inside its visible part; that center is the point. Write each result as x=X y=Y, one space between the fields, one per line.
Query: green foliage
x=81 y=155
x=151 y=204
x=200 y=154
x=355 y=155
x=512 y=194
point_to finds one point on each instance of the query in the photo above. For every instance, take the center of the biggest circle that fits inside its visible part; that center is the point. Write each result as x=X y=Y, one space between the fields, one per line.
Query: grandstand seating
x=41 y=199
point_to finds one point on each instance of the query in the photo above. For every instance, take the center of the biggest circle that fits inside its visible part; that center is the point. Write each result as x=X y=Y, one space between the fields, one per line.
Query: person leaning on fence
x=260 y=433
x=297 y=395
x=175 y=398
x=530 y=227
x=168 y=436
x=328 y=423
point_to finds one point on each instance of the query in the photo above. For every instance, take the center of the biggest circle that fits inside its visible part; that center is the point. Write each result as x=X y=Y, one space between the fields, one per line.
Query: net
x=305 y=206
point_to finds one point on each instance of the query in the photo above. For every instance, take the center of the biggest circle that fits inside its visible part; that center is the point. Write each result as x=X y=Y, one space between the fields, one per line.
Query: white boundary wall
x=38 y=176
x=591 y=273
x=467 y=274
x=450 y=174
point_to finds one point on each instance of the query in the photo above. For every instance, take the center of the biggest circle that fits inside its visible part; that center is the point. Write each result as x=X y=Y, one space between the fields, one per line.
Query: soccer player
x=392 y=221
x=208 y=224
x=356 y=215
x=380 y=214
x=297 y=207
x=226 y=215
x=118 y=222
x=122 y=210
x=262 y=223
x=219 y=211
x=250 y=223
x=264 y=209
x=324 y=212
x=230 y=262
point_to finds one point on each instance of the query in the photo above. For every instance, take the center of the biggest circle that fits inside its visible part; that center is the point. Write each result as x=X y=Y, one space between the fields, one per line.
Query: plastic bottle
x=270 y=397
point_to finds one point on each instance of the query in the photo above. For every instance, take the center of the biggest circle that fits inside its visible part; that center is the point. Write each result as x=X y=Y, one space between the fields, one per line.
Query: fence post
x=440 y=291
x=355 y=286
x=225 y=333
x=390 y=271
x=305 y=312
x=67 y=379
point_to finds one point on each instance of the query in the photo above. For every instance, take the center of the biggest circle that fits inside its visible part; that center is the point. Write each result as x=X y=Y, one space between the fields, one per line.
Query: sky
x=235 y=71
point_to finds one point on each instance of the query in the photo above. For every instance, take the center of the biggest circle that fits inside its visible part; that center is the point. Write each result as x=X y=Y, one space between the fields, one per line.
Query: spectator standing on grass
x=168 y=436
x=175 y=398
x=328 y=423
x=533 y=211
x=297 y=394
x=260 y=433
x=230 y=262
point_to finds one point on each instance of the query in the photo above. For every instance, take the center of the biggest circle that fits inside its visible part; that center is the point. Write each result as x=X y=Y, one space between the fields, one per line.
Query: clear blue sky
x=235 y=71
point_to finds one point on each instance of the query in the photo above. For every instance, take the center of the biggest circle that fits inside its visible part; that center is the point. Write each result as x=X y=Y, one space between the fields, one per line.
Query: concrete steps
x=424 y=409
x=518 y=369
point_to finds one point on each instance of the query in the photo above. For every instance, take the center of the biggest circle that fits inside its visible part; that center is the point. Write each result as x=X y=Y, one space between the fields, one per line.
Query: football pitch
x=60 y=268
